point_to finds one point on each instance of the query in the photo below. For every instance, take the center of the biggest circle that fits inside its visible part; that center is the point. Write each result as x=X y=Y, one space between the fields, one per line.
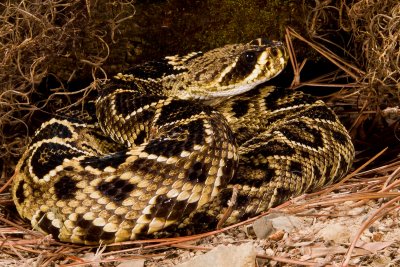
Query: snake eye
x=249 y=58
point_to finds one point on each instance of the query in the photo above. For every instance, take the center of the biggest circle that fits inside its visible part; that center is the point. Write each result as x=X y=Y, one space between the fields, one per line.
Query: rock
x=262 y=227
x=233 y=256
x=335 y=232
x=265 y=226
x=132 y=263
x=287 y=223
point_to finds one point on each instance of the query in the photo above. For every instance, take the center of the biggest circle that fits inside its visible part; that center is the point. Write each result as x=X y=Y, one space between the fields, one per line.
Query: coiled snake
x=173 y=138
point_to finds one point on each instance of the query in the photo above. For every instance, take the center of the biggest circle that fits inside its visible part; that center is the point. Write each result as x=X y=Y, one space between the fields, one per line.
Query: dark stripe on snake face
x=180 y=110
x=111 y=160
x=65 y=188
x=117 y=189
x=243 y=67
x=180 y=138
x=54 y=129
x=50 y=155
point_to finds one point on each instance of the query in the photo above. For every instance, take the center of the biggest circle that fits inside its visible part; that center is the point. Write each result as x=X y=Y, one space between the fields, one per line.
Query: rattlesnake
x=173 y=138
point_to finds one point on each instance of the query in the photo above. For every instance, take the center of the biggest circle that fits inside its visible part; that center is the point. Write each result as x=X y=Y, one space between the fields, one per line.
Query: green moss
x=179 y=26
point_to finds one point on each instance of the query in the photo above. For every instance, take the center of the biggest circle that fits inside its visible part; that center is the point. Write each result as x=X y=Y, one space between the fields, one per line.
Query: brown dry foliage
x=63 y=38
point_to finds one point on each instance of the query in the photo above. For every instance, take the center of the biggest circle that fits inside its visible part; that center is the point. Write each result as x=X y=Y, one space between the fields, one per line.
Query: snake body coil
x=173 y=138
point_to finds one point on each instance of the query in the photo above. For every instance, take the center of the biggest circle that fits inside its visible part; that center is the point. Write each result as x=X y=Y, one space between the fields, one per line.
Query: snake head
x=233 y=69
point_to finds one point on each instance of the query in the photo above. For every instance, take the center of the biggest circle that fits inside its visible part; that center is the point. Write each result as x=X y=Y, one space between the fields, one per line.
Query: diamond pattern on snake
x=172 y=139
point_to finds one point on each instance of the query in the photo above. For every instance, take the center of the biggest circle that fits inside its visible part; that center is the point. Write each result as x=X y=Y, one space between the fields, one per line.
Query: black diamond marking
x=229 y=169
x=92 y=232
x=19 y=193
x=282 y=195
x=305 y=154
x=140 y=138
x=113 y=160
x=340 y=137
x=178 y=211
x=271 y=100
x=271 y=148
x=226 y=194
x=54 y=129
x=328 y=169
x=146 y=166
x=107 y=236
x=50 y=155
x=116 y=84
x=296 y=168
x=190 y=207
x=270 y=174
x=252 y=180
x=45 y=224
x=252 y=93
x=242 y=200
x=273 y=97
x=343 y=166
x=317 y=172
x=180 y=110
x=163 y=206
x=65 y=188
x=240 y=107
x=197 y=173
x=154 y=70
x=127 y=102
x=319 y=112
x=82 y=223
x=292 y=133
x=193 y=133
x=145 y=116
x=204 y=221
x=117 y=189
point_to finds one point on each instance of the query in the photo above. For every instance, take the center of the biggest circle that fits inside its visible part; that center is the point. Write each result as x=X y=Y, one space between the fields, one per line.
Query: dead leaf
x=373 y=246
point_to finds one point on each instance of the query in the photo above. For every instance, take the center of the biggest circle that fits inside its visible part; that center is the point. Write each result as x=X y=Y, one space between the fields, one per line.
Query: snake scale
x=174 y=139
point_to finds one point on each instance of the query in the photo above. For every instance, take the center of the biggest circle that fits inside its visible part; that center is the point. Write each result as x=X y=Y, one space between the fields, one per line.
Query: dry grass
x=34 y=37
x=63 y=39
